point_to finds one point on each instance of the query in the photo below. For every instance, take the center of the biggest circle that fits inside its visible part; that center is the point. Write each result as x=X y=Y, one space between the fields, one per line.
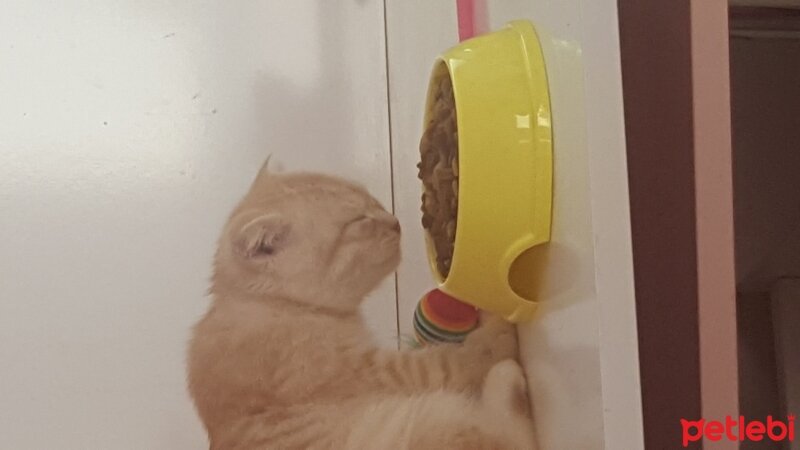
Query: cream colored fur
x=283 y=360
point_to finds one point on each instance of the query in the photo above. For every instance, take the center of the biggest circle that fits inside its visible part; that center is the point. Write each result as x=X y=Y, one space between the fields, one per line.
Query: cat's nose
x=387 y=220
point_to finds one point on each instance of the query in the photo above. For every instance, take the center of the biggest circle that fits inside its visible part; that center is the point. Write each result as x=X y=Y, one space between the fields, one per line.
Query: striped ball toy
x=440 y=318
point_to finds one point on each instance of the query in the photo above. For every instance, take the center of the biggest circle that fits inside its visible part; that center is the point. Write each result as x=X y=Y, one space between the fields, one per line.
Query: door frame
x=676 y=91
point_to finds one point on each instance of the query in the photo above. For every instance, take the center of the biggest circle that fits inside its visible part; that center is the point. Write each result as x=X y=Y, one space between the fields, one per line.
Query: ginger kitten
x=283 y=360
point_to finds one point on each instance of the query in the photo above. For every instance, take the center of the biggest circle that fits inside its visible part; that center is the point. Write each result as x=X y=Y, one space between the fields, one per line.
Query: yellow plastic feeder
x=505 y=154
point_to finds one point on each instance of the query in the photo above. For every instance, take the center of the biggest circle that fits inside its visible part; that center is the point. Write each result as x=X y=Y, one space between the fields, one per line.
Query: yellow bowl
x=505 y=166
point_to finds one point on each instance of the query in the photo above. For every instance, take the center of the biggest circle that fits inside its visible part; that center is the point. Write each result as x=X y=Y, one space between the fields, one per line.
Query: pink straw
x=471 y=18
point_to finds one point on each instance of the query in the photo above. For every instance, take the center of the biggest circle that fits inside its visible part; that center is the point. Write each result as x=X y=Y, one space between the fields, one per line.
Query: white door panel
x=580 y=354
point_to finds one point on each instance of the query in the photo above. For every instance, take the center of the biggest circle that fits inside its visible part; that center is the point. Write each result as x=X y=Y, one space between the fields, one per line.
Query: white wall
x=128 y=129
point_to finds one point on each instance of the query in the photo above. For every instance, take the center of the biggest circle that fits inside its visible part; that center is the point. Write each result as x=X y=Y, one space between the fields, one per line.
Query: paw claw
x=495 y=339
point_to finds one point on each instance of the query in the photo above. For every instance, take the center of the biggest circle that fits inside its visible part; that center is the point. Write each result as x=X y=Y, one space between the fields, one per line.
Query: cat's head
x=308 y=238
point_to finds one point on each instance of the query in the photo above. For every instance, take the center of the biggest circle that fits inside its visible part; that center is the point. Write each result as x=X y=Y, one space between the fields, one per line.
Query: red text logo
x=738 y=430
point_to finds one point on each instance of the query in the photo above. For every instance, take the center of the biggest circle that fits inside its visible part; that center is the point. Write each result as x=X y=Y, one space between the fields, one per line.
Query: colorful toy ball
x=440 y=318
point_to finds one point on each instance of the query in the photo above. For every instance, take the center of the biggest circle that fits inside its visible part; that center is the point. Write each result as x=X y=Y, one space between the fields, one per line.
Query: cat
x=283 y=360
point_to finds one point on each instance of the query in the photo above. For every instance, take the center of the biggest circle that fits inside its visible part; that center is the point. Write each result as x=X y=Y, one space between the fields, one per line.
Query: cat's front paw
x=494 y=340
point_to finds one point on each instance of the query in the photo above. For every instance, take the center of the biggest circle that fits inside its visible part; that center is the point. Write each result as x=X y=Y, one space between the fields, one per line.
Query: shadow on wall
x=299 y=90
x=293 y=111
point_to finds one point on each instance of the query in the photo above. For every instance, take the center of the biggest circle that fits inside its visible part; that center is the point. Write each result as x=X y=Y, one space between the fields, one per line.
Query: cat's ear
x=263 y=236
x=269 y=167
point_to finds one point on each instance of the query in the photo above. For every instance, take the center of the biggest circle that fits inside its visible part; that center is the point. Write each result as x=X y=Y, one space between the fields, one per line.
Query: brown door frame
x=677 y=123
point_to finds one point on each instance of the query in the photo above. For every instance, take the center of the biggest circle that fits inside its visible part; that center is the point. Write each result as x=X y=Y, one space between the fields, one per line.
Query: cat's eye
x=359 y=219
x=358 y=226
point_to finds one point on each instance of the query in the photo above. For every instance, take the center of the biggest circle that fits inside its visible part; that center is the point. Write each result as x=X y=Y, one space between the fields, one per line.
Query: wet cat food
x=438 y=170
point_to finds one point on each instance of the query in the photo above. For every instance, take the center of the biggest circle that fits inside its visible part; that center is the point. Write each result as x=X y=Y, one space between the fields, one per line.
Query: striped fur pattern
x=283 y=359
